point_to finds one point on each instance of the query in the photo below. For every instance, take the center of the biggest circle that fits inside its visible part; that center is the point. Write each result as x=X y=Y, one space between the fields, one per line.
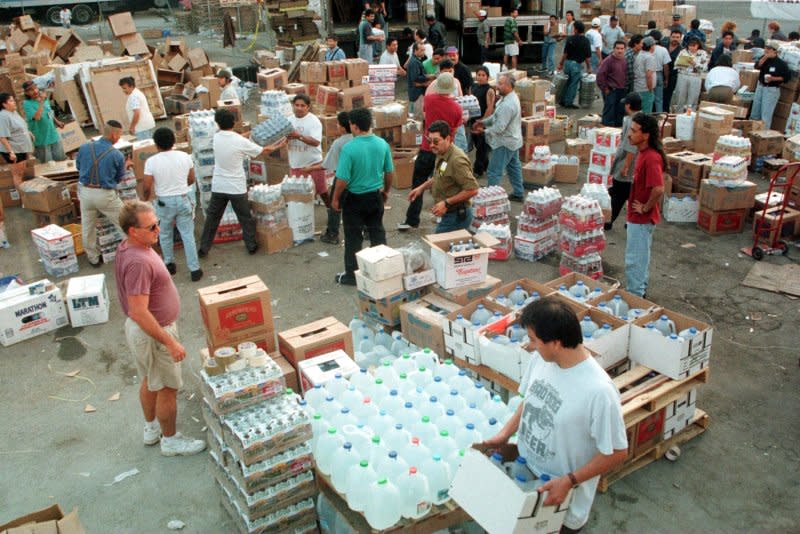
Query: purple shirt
x=140 y=271
x=612 y=73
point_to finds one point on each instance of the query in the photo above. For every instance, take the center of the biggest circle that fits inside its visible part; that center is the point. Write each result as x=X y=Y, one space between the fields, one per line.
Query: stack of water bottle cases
x=202 y=128
x=108 y=238
x=390 y=440
x=259 y=439
x=537 y=227
x=491 y=209
x=582 y=237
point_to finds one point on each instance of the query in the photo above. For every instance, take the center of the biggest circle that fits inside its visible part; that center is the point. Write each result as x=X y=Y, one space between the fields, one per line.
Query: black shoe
x=331 y=239
x=202 y=253
x=197 y=275
x=346 y=279
x=98 y=264
x=516 y=198
x=607 y=227
x=253 y=250
x=171 y=268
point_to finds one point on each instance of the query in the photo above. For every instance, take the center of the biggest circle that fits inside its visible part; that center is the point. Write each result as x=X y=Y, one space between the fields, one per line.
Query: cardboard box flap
x=444 y=240
x=232 y=289
x=311 y=332
x=47 y=520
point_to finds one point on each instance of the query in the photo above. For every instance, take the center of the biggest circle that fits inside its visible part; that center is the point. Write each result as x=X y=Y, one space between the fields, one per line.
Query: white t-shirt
x=137 y=100
x=170 y=171
x=388 y=58
x=230 y=149
x=428 y=50
x=229 y=92
x=662 y=58
x=300 y=154
x=65 y=15
x=595 y=40
x=723 y=76
x=568 y=416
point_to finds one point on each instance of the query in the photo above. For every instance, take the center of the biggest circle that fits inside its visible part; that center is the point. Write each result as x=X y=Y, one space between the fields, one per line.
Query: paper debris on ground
x=688 y=245
x=122 y=476
x=114 y=397
x=89 y=409
x=73 y=374
x=176 y=524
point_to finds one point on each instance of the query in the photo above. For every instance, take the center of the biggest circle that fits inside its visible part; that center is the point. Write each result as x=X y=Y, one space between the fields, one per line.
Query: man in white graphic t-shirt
x=305 y=145
x=569 y=425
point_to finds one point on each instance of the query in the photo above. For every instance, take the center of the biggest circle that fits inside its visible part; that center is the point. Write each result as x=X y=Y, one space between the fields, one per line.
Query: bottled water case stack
x=537 y=227
x=491 y=209
x=582 y=237
x=392 y=439
x=259 y=441
x=201 y=132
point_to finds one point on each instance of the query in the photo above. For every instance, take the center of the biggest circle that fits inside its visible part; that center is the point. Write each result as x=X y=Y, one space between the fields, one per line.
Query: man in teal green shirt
x=42 y=124
x=431 y=65
x=363 y=179
x=511 y=39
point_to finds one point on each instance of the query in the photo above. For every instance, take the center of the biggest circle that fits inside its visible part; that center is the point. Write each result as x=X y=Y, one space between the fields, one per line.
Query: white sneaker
x=152 y=433
x=179 y=445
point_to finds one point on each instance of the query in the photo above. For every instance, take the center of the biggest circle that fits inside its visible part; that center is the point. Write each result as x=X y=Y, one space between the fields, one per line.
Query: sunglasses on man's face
x=152 y=228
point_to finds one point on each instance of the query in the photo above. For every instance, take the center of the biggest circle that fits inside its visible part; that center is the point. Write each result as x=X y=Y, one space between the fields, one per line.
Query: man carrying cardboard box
x=151 y=302
x=563 y=378
x=453 y=183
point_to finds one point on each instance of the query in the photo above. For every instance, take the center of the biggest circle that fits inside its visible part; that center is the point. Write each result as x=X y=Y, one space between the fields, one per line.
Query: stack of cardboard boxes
x=49 y=201
x=56 y=250
x=272 y=226
x=790 y=96
x=723 y=210
x=711 y=123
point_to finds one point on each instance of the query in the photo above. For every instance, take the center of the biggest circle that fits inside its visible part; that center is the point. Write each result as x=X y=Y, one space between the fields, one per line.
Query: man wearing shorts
x=305 y=145
x=511 y=39
x=150 y=300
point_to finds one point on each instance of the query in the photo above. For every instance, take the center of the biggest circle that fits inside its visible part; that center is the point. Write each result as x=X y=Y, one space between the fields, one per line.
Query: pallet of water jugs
x=258 y=436
x=389 y=440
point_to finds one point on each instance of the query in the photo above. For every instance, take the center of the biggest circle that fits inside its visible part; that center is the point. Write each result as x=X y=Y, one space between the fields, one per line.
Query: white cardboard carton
x=30 y=310
x=674 y=358
x=461 y=341
x=419 y=279
x=509 y=360
x=380 y=263
x=87 y=300
x=457 y=269
x=320 y=369
x=379 y=289
x=680 y=414
x=497 y=504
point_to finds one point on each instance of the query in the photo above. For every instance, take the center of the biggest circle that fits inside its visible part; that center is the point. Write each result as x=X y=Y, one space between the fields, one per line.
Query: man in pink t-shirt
x=150 y=300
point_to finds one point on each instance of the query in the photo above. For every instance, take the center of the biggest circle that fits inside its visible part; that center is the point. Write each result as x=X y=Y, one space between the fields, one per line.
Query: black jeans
x=669 y=90
x=423 y=169
x=620 y=191
x=359 y=212
x=216 y=208
x=334 y=217
x=613 y=108
x=481 y=154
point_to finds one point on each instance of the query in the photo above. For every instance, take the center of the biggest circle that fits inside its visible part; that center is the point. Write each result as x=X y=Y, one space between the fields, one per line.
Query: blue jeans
x=505 y=160
x=658 y=93
x=594 y=61
x=450 y=222
x=573 y=70
x=145 y=134
x=178 y=210
x=647 y=101
x=366 y=52
x=637 y=257
x=549 y=54
x=764 y=103
x=460 y=139
x=613 y=108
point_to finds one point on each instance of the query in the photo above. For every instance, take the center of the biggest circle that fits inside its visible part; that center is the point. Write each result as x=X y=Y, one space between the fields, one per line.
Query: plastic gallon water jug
x=345 y=458
x=466 y=436
x=351 y=397
x=446 y=370
x=316 y=396
x=383 y=507
x=603 y=331
x=518 y=296
x=415 y=453
x=392 y=403
x=327 y=445
x=588 y=326
x=439 y=387
x=414 y=494
x=689 y=333
x=337 y=385
x=665 y=325
x=425 y=358
x=361 y=380
x=404 y=364
x=383 y=338
x=396 y=438
x=388 y=374
x=425 y=430
x=359 y=485
x=438 y=473
x=449 y=421
x=579 y=290
x=618 y=306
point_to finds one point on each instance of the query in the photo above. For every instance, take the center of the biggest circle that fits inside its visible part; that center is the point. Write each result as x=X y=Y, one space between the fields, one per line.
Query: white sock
x=152 y=425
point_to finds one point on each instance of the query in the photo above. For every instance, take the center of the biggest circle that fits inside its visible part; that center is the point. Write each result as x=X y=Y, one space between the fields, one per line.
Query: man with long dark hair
x=645 y=200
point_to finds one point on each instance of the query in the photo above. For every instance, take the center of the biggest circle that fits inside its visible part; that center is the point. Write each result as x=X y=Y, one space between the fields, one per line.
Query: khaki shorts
x=512 y=49
x=152 y=358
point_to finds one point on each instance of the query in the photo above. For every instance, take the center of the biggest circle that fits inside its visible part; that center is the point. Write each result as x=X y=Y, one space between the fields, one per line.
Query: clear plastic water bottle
x=345 y=458
x=476 y=395
x=351 y=397
x=425 y=430
x=495 y=408
x=392 y=403
x=603 y=331
x=327 y=445
x=365 y=410
x=414 y=494
x=337 y=386
x=447 y=370
x=383 y=338
x=665 y=325
x=330 y=408
x=375 y=451
x=422 y=377
x=404 y=364
x=425 y=358
x=355 y=326
x=396 y=438
x=443 y=444
x=618 y=306
x=378 y=391
x=520 y=468
x=438 y=387
x=588 y=326
x=415 y=452
x=688 y=333
x=361 y=380
x=518 y=296
x=480 y=315
x=359 y=485
x=383 y=507
x=455 y=401
x=438 y=473
x=388 y=374
x=381 y=422
x=399 y=344
x=490 y=427
x=466 y=436
x=408 y=415
x=460 y=382
x=497 y=461
x=316 y=396
x=344 y=417
x=366 y=345
x=449 y=421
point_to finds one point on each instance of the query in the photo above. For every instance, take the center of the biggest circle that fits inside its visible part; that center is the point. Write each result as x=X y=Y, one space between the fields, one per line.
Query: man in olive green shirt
x=511 y=39
x=452 y=182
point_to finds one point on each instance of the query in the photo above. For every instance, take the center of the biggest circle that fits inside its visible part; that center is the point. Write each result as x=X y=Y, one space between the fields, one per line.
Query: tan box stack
x=723 y=210
x=688 y=170
x=711 y=123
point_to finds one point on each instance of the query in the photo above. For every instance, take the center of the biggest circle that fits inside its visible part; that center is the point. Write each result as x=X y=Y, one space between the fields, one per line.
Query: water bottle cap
x=426 y=419
x=473 y=405
x=392 y=454
x=521 y=460
x=412 y=470
x=470 y=426
x=302 y=402
x=544 y=478
x=459 y=316
x=651 y=325
x=381 y=412
x=317 y=386
x=365 y=337
x=419 y=389
x=398 y=426
x=497 y=398
x=480 y=306
x=437 y=458
x=415 y=441
x=450 y=413
x=692 y=330
x=387 y=363
x=433 y=399
x=444 y=433
x=476 y=323
x=375 y=439
x=497 y=456
x=606 y=326
x=479 y=385
x=403 y=376
x=345 y=410
x=462 y=372
x=347 y=445
x=338 y=376
x=379 y=381
x=317 y=416
x=617 y=297
x=492 y=421
x=664 y=318
x=448 y=362
x=426 y=350
x=408 y=405
x=406 y=356
x=363 y=463
x=673 y=336
x=329 y=398
x=351 y=387
x=520 y=478
x=421 y=369
x=587 y=319
x=437 y=379
x=331 y=430
x=363 y=370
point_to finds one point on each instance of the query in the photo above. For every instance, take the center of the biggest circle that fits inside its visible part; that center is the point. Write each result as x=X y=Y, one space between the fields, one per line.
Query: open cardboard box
x=423 y=321
x=466 y=294
x=496 y=502
x=508 y=360
x=312 y=339
x=570 y=279
x=611 y=348
x=49 y=520
x=675 y=359
x=456 y=269
x=461 y=341
x=635 y=302
x=527 y=284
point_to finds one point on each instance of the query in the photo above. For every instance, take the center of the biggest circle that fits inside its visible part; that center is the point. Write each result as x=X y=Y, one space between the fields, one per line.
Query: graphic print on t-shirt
x=542 y=403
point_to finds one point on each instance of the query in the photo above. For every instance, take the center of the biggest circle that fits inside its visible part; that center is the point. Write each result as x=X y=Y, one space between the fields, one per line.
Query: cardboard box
x=566 y=173
x=44 y=195
x=533 y=128
x=356 y=97
x=693 y=169
x=766 y=143
x=356 y=69
x=274 y=241
x=236 y=308
x=386 y=311
x=380 y=263
x=461 y=341
x=497 y=503
x=714 y=118
x=676 y=360
x=634 y=302
x=142 y=150
x=30 y=310
x=60 y=216
x=772 y=229
x=327 y=99
x=272 y=79
x=495 y=11
x=578 y=147
x=466 y=294
x=526 y=284
x=404 y=159
x=419 y=279
x=379 y=289
x=721 y=222
x=87 y=300
x=135 y=45
x=289 y=372
x=264 y=340
x=121 y=24
x=422 y=321
x=50 y=520
x=9 y=197
x=458 y=269
x=680 y=207
x=318 y=370
x=313 y=72
x=536 y=177
x=72 y=136
x=718 y=198
x=312 y=339
x=411 y=134
x=389 y=116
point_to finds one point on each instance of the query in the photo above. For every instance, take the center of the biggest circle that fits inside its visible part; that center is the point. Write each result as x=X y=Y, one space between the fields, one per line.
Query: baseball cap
x=451 y=50
x=482 y=13
x=27 y=85
x=771 y=44
x=224 y=73
x=595 y=22
x=676 y=16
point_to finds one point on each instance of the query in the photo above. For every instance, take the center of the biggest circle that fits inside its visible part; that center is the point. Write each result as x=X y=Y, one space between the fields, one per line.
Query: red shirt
x=140 y=271
x=440 y=108
x=647 y=174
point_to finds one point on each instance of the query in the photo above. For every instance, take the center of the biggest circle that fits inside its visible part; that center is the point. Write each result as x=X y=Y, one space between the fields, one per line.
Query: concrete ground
x=739 y=475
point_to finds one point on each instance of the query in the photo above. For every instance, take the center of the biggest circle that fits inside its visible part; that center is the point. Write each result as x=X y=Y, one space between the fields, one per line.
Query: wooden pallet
x=698 y=426
x=440 y=517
